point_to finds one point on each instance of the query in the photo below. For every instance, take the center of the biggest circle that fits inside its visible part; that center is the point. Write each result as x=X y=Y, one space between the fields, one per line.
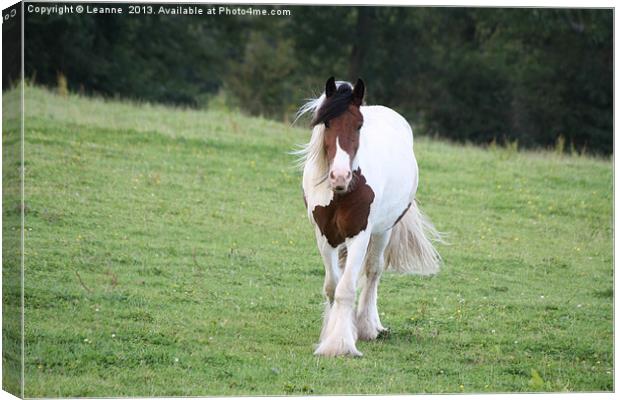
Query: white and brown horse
x=360 y=178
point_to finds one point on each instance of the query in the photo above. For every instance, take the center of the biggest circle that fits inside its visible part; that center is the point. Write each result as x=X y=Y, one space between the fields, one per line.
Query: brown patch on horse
x=345 y=128
x=347 y=214
x=401 y=215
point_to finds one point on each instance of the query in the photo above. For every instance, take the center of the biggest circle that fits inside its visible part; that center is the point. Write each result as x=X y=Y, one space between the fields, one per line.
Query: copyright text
x=55 y=9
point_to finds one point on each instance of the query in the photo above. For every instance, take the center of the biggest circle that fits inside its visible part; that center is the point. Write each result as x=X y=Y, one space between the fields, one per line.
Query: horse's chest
x=346 y=215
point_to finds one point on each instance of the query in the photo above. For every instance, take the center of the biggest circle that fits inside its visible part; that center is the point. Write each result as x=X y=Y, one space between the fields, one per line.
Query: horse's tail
x=410 y=249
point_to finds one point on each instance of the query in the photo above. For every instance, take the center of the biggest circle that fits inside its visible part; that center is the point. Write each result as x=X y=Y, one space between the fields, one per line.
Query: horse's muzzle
x=340 y=184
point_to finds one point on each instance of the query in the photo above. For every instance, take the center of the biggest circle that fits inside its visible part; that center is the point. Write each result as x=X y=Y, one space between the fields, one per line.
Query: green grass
x=11 y=244
x=168 y=253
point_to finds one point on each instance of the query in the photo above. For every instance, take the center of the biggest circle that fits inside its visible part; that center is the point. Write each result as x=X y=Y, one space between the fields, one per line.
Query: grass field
x=168 y=253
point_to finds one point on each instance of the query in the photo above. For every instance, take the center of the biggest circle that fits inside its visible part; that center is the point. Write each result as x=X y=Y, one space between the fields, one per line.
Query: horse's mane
x=322 y=110
x=335 y=105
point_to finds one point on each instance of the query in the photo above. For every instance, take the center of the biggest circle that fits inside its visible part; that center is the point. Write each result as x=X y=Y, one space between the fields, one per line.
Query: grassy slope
x=11 y=244
x=201 y=277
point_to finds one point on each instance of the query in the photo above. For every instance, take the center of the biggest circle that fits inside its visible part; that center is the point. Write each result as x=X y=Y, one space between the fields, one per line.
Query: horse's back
x=387 y=126
x=388 y=162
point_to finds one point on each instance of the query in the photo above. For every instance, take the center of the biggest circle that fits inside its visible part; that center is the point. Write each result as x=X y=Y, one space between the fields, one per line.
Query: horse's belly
x=386 y=212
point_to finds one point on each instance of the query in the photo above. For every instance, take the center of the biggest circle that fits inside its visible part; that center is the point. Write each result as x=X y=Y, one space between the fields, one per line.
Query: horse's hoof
x=350 y=353
x=368 y=336
x=327 y=349
x=372 y=333
x=356 y=353
x=384 y=333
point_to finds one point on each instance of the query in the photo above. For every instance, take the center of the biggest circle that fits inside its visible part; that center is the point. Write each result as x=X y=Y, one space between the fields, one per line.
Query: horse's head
x=340 y=112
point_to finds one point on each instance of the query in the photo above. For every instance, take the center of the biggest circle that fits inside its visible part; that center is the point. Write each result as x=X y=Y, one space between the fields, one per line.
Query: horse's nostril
x=331 y=175
x=348 y=174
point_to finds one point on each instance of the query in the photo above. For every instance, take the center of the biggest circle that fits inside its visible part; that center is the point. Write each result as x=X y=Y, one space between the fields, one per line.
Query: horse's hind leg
x=368 y=323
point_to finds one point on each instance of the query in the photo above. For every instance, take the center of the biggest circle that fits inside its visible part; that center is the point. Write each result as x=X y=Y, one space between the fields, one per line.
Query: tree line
x=480 y=75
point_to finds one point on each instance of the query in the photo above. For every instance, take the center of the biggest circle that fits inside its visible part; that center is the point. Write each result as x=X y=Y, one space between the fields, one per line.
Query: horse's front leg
x=332 y=276
x=340 y=330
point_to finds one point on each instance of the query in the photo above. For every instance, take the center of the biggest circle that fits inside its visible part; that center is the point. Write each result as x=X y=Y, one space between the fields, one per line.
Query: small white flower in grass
x=578 y=305
x=113 y=335
x=492 y=330
x=542 y=297
x=176 y=359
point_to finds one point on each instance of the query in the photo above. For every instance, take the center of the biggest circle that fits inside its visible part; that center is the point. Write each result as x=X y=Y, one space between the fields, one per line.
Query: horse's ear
x=330 y=87
x=358 y=92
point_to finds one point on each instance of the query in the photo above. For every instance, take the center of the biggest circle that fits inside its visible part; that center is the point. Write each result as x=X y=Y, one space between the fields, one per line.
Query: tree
x=261 y=79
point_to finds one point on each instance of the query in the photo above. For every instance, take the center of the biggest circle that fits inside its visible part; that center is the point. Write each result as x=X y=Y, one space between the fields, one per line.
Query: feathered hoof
x=374 y=334
x=369 y=331
x=335 y=348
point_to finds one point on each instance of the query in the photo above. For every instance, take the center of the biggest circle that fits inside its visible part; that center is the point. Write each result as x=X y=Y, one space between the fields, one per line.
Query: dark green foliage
x=524 y=76
x=11 y=46
x=154 y=58
x=258 y=79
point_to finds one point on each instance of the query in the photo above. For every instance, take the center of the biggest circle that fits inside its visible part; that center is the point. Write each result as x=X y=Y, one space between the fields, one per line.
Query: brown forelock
x=347 y=214
x=346 y=128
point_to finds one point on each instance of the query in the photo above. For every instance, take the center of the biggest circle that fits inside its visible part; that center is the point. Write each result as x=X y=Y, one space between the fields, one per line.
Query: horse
x=360 y=178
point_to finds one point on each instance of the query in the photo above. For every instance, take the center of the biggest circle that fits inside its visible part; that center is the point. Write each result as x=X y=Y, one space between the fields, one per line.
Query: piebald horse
x=360 y=178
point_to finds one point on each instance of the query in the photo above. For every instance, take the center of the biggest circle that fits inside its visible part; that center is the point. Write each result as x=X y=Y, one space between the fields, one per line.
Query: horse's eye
x=359 y=127
x=327 y=124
